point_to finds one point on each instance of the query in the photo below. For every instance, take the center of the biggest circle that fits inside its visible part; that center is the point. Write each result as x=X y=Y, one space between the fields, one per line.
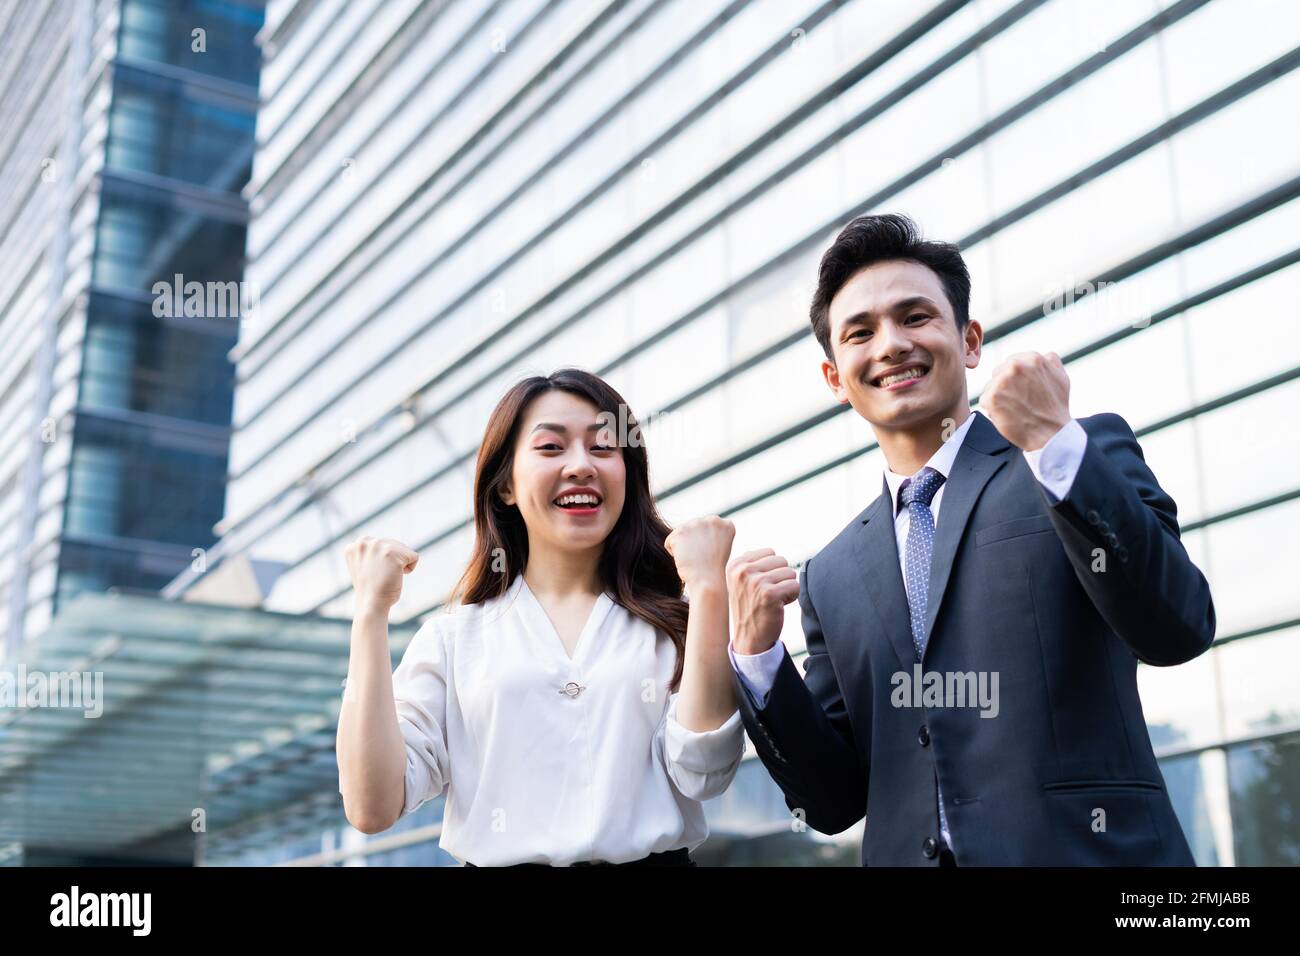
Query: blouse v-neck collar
x=540 y=623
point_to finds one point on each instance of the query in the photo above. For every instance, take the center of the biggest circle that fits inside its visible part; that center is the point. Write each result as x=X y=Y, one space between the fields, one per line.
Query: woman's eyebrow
x=552 y=426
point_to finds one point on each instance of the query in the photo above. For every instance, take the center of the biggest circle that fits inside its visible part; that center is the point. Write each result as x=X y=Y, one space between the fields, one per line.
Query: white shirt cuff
x=758 y=671
x=702 y=763
x=1056 y=464
x=705 y=751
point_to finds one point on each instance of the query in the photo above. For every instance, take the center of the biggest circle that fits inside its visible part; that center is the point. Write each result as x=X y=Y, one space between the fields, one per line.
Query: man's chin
x=894 y=413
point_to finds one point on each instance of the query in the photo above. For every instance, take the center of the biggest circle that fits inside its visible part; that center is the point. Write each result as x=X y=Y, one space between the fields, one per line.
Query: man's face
x=893 y=317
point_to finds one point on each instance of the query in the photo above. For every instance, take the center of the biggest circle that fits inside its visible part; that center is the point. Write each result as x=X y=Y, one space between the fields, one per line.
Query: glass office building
x=130 y=141
x=451 y=194
x=147 y=473
x=127 y=141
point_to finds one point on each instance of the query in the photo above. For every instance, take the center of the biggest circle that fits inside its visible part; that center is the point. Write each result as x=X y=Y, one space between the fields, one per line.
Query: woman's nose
x=579 y=465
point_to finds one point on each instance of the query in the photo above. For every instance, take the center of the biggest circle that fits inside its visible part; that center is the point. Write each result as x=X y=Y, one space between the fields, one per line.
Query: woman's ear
x=506 y=494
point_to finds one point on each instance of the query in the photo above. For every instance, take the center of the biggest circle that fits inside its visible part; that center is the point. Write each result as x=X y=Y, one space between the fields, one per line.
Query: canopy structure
x=136 y=721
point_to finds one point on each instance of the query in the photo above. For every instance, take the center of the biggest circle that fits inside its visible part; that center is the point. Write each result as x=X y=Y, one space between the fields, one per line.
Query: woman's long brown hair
x=634 y=564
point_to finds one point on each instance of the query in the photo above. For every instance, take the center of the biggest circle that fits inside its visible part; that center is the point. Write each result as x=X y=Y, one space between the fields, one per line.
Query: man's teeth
x=577 y=500
x=901 y=376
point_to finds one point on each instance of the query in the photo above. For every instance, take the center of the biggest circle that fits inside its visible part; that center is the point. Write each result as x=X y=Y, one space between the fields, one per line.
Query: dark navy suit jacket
x=1061 y=599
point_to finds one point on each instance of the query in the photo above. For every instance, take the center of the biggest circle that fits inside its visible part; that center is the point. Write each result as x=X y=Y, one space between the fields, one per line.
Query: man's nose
x=892 y=340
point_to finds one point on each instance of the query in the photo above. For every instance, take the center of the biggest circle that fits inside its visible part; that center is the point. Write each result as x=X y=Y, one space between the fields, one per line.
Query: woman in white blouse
x=569 y=706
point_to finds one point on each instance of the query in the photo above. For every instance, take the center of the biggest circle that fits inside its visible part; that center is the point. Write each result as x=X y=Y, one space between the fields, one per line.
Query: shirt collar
x=941 y=461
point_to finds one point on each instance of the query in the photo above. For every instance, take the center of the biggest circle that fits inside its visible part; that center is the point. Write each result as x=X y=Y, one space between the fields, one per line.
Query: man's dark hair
x=871 y=239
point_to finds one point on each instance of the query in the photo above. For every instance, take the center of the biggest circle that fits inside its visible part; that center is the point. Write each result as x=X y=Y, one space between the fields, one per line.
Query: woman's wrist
x=369 y=609
x=713 y=584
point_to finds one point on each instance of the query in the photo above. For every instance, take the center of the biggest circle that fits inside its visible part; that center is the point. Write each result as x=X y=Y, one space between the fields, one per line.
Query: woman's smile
x=578 y=502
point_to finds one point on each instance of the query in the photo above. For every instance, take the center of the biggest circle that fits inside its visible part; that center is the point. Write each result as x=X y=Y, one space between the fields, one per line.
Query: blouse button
x=572 y=688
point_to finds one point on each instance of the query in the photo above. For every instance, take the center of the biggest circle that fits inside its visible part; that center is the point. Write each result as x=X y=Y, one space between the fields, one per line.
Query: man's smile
x=904 y=376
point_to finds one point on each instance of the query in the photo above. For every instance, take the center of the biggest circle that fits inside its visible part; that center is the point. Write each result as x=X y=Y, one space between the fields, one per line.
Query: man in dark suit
x=973 y=635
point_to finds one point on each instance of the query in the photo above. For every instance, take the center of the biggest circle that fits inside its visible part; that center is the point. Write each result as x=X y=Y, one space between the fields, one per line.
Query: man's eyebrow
x=859 y=318
x=553 y=427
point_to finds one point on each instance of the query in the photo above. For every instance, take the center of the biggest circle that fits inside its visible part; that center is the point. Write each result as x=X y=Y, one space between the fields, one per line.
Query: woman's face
x=566 y=452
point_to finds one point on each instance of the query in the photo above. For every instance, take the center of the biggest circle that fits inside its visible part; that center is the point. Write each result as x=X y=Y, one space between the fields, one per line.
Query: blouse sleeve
x=701 y=764
x=420 y=696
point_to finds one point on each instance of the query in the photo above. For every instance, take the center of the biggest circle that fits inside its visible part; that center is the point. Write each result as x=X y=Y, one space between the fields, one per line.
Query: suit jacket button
x=930 y=848
x=1112 y=540
x=1092 y=516
x=923 y=735
x=1103 y=527
x=1123 y=553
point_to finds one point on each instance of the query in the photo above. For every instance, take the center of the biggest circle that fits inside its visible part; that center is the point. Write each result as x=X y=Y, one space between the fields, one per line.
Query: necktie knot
x=920 y=487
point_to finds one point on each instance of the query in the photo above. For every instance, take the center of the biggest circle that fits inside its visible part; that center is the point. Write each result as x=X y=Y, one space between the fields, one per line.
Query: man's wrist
x=747 y=646
x=1049 y=431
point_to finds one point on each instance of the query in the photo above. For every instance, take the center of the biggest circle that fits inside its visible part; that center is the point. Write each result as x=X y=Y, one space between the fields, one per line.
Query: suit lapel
x=982 y=453
x=877 y=551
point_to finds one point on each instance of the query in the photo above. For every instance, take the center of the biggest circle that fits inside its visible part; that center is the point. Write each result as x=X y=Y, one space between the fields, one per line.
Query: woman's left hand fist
x=701 y=547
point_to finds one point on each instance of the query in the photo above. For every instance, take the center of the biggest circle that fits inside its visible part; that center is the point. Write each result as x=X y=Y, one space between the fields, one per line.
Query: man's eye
x=918 y=315
x=854 y=334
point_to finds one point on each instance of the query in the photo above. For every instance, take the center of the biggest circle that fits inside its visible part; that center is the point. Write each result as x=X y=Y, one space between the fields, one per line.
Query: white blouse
x=550 y=760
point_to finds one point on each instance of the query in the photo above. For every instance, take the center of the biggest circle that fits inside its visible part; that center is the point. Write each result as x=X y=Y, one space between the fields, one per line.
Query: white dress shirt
x=537 y=775
x=1055 y=465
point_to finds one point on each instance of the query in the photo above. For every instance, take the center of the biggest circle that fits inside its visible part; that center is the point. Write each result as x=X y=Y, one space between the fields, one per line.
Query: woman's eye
x=602 y=448
x=549 y=446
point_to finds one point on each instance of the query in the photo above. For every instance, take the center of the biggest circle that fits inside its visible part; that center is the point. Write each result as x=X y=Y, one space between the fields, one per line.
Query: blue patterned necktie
x=915 y=495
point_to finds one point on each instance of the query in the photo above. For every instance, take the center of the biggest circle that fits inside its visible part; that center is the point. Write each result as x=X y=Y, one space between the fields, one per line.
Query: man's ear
x=832 y=376
x=973 y=339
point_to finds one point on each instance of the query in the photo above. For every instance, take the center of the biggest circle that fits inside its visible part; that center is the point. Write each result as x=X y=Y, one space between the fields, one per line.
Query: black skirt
x=678 y=857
